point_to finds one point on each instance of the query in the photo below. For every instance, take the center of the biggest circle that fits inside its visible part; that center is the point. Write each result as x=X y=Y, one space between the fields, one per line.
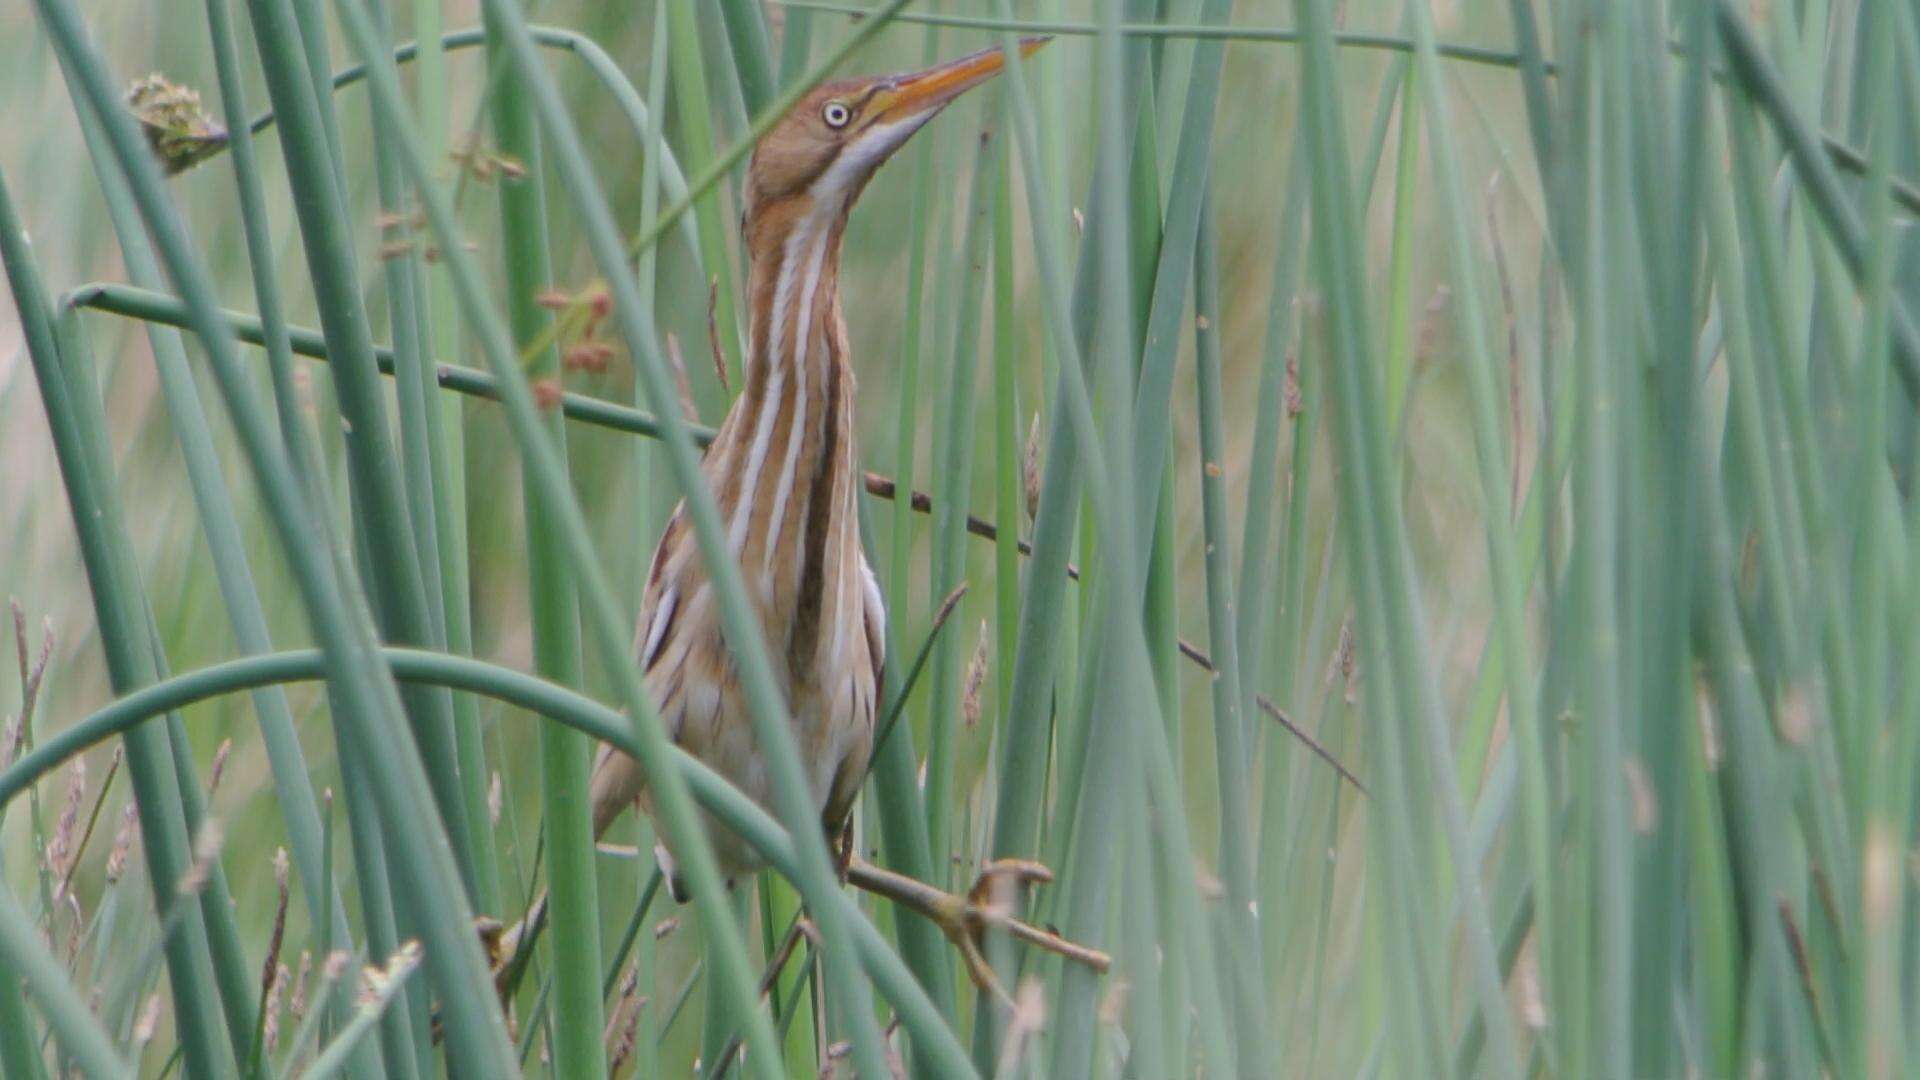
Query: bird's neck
x=786 y=456
x=793 y=287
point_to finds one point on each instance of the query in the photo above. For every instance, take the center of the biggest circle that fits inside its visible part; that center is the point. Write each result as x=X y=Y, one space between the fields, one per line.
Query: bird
x=783 y=470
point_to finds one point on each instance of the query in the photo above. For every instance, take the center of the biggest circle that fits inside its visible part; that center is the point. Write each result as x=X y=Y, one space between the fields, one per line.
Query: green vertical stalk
x=1009 y=475
x=896 y=785
x=1870 y=1031
x=1402 y=314
x=696 y=126
x=1601 y=341
x=223 y=539
x=752 y=55
x=902 y=810
x=123 y=633
x=796 y=36
x=1492 y=457
x=19 y=1035
x=411 y=377
x=653 y=168
x=412 y=368
x=903 y=835
x=1173 y=273
x=1887 y=1008
x=1288 y=600
x=1256 y=575
x=1144 y=958
x=953 y=464
x=1233 y=757
x=921 y=218
x=447 y=424
x=565 y=757
x=310 y=37
x=232 y=973
x=1161 y=608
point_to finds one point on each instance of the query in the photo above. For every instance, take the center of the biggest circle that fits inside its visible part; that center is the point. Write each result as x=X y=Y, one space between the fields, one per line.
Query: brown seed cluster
x=579 y=319
x=177 y=126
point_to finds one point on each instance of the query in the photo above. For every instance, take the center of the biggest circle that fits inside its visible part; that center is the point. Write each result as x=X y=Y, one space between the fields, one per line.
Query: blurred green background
x=1337 y=977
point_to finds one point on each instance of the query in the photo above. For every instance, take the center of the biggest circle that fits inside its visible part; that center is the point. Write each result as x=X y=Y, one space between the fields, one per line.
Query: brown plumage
x=783 y=469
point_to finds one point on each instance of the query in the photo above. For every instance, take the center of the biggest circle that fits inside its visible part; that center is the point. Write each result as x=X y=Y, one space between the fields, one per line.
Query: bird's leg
x=843 y=851
x=966 y=919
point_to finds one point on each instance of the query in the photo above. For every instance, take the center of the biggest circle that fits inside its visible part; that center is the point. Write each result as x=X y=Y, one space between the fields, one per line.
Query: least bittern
x=784 y=472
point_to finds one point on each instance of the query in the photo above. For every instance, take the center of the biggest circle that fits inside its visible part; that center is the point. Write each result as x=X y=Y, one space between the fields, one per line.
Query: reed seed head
x=177 y=126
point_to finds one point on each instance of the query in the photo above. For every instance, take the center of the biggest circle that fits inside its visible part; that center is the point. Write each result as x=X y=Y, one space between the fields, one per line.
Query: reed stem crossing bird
x=784 y=471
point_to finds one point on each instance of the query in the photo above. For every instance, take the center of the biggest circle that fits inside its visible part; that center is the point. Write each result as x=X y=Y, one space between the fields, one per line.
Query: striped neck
x=787 y=448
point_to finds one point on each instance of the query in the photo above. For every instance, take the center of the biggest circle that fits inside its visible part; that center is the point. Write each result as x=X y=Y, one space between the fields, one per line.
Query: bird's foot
x=989 y=904
x=494 y=942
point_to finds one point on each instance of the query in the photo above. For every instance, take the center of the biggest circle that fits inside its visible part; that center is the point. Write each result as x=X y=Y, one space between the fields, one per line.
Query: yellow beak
x=922 y=91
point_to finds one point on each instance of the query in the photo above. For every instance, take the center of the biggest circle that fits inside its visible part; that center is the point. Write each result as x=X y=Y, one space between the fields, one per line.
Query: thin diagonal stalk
x=1401 y=316
x=1028 y=728
x=598 y=63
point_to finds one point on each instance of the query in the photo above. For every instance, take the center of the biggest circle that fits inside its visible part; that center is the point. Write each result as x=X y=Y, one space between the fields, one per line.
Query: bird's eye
x=836 y=114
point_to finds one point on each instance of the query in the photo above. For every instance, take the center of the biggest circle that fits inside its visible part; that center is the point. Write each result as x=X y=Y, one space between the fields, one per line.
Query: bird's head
x=823 y=152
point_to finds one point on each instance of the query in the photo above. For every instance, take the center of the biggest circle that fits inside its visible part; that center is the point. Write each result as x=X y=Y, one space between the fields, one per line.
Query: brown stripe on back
x=806 y=622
